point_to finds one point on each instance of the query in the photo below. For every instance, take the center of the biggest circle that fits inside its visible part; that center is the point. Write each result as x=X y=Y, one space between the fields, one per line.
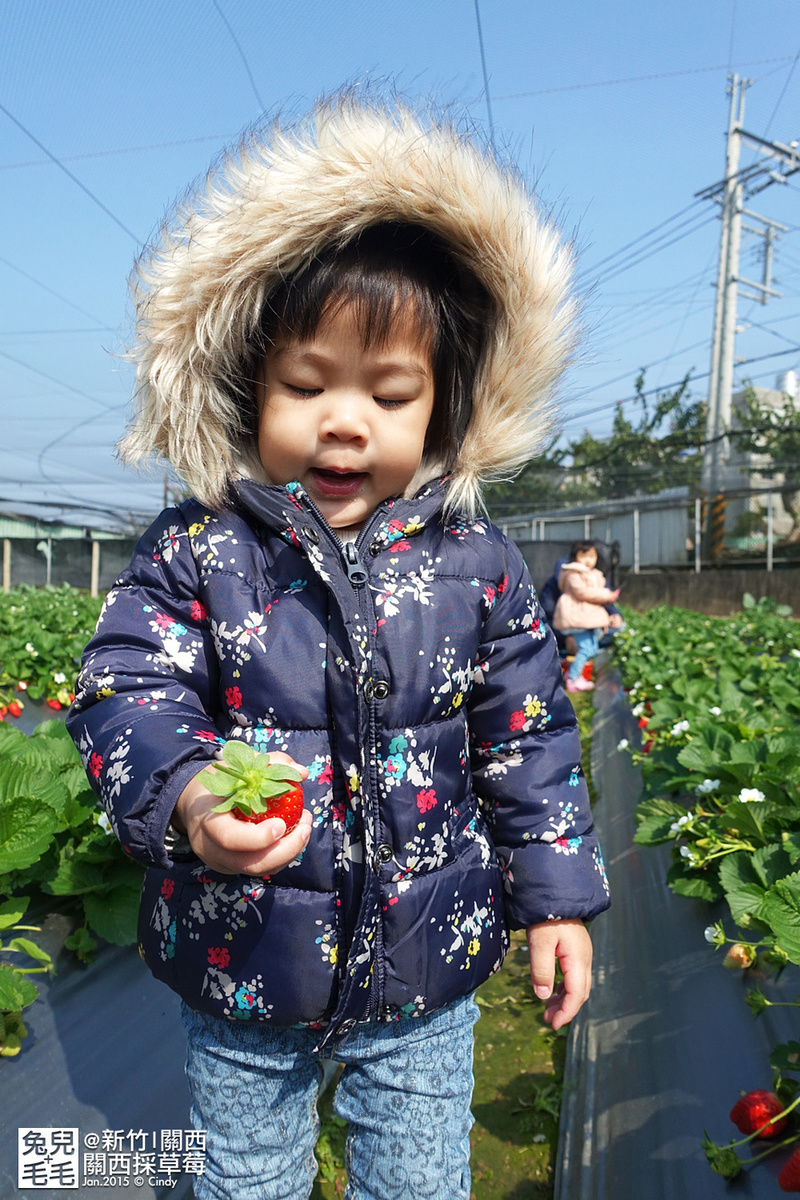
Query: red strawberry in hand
x=789 y=1178
x=754 y=1110
x=255 y=788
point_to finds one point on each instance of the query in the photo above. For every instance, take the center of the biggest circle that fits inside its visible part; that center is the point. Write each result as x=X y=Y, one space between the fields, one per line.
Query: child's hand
x=237 y=847
x=569 y=942
x=615 y=621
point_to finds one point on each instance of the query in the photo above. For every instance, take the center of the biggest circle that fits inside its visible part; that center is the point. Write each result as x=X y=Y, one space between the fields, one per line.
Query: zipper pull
x=355 y=568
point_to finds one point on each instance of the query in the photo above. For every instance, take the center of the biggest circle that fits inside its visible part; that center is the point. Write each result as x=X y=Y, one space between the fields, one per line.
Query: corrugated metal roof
x=12 y=526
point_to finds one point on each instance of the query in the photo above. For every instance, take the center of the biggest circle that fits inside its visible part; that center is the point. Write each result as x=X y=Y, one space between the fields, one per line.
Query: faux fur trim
x=199 y=288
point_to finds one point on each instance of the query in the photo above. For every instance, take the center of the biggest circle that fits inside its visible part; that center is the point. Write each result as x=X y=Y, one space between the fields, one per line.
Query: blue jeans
x=405 y=1091
x=588 y=643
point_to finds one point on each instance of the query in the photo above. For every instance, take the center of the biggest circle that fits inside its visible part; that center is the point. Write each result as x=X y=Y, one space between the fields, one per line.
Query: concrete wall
x=715 y=592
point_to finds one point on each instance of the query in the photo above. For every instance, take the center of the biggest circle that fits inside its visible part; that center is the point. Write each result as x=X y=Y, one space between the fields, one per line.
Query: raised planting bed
x=668 y=1042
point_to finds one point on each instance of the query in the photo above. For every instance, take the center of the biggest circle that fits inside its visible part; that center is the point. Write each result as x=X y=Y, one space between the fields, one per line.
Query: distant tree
x=659 y=446
x=772 y=430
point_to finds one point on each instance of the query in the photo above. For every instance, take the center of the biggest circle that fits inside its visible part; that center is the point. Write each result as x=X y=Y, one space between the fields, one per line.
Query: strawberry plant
x=42 y=634
x=56 y=847
x=718 y=705
x=253 y=787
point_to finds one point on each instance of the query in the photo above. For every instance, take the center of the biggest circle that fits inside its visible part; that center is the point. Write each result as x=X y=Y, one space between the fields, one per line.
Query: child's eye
x=384 y=403
x=306 y=393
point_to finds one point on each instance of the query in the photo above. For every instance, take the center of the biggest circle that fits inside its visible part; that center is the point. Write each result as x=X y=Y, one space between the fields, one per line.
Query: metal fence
x=739 y=527
x=82 y=562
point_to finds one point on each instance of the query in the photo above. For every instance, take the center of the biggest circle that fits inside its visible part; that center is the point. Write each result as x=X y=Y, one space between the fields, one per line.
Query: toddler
x=580 y=610
x=352 y=327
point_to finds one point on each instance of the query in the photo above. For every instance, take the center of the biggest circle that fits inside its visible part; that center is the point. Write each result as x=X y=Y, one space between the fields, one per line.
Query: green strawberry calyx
x=247 y=779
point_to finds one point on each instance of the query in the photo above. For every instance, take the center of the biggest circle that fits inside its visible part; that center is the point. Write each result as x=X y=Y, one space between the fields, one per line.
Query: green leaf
x=654 y=818
x=22 y=779
x=76 y=877
x=744 y=887
x=82 y=944
x=781 y=908
x=16 y=991
x=771 y=864
x=26 y=946
x=749 y=819
x=113 y=915
x=786 y=1057
x=26 y=828
x=12 y=911
x=710 y=748
x=238 y=755
x=696 y=887
x=218 y=783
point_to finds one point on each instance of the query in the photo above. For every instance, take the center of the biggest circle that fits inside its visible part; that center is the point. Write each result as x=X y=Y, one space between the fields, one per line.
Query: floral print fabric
x=427 y=705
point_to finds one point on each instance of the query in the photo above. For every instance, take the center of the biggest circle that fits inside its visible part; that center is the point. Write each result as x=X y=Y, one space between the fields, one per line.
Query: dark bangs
x=392 y=272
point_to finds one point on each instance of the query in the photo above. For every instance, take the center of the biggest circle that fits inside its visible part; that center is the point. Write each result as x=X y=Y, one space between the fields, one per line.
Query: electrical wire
x=485 y=74
x=96 y=199
x=783 y=93
x=43 y=162
x=574 y=87
x=13 y=267
x=237 y=44
x=642 y=236
x=665 y=387
x=60 y=382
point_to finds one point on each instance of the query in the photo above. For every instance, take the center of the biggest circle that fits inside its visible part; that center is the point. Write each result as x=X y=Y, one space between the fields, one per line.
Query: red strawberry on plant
x=255 y=788
x=15 y=708
x=789 y=1178
x=754 y=1110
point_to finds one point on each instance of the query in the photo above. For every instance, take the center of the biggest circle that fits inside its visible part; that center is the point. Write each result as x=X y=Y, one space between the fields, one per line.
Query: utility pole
x=776 y=162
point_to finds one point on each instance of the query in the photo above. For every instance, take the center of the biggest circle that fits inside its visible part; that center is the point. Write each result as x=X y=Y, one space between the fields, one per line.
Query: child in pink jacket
x=580 y=610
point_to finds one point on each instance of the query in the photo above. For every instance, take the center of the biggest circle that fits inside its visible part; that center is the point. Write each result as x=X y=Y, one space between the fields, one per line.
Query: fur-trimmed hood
x=199 y=288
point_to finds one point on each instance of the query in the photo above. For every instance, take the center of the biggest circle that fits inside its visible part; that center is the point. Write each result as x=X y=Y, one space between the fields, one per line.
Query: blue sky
x=616 y=111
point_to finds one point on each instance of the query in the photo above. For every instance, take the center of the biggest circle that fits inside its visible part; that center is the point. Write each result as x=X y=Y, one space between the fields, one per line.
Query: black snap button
x=380 y=689
x=374 y=548
x=369 y=691
x=384 y=853
x=347 y=1025
x=311 y=534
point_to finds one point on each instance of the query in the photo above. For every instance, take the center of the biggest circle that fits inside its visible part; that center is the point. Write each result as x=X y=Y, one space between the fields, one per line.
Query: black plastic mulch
x=666 y=1042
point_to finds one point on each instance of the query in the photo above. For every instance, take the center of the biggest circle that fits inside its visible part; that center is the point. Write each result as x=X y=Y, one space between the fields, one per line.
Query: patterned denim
x=588 y=642
x=405 y=1090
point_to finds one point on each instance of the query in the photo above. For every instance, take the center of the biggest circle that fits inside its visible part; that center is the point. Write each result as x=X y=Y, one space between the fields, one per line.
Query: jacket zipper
x=357 y=577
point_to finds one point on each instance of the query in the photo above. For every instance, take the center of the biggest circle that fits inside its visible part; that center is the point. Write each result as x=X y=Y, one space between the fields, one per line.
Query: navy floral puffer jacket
x=412 y=674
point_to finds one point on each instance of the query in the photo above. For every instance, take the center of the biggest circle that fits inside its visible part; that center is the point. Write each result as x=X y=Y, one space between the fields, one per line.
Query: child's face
x=587 y=557
x=348 y=422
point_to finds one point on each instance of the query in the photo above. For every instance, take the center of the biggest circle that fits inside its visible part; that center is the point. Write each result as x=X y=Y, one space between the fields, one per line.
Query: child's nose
x=346 y=419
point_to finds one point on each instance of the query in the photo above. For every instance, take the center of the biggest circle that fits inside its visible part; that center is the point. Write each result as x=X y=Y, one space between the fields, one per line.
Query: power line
x=783 y=93
x=237 y=44
x=665 y=387
x=574 y=87
x=45 y=288
x=641 y=237
x=60 y=383
x=42 y=162
x=95 y=199
x=485 y=74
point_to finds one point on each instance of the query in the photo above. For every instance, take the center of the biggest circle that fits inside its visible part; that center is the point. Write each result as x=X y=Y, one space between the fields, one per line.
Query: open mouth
x=337 y=483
